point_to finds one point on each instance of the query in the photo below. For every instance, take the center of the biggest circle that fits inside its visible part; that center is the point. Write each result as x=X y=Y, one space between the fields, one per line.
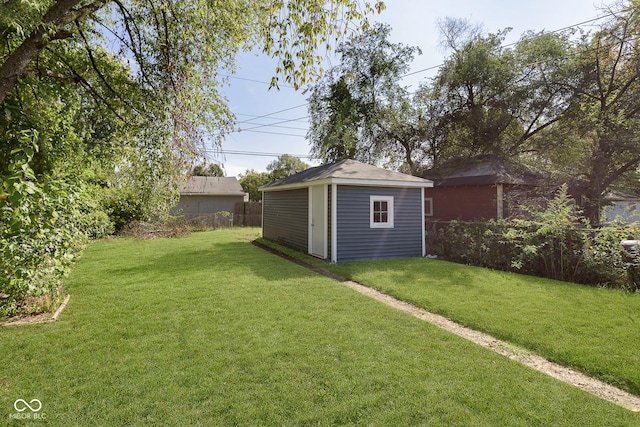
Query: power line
x=229 y=76
x=274 y=124
x=281 y=111
x=255 y=116
x=275 y=133
x=258 y=153
x=610 y=13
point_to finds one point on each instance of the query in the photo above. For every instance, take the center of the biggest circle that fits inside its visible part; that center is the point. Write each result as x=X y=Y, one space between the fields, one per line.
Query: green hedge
x=554 y=242
x=43 y=226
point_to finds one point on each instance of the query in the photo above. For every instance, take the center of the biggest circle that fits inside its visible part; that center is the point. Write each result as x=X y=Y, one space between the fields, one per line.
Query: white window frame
x=428 y=212
x=390 y=210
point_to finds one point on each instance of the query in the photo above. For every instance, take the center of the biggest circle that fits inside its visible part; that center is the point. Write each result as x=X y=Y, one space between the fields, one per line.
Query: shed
x=206 y=195
x=347 y=211
x=479 y=188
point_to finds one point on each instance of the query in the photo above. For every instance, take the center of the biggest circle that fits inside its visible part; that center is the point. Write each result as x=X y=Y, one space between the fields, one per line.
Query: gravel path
x=569 y=376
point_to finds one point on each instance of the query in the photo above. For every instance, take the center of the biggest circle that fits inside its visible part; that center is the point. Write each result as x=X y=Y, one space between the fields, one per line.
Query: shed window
x=381 y=212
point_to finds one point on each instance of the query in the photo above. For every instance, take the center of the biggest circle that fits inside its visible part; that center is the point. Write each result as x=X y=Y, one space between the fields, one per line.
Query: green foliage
x=213 y=169
x=554 y=242
x=116 y=97
x=41 y=234
x=284 y=166
x=251 y=181
x=358 y=109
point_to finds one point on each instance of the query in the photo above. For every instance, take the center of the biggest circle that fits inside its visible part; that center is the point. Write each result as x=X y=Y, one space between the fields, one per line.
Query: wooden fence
x=247 y=214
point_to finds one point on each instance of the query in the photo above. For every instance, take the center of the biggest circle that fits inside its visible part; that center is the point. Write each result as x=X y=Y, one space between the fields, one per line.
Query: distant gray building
x=203 y=196
x=622 y=207
x=347 y=211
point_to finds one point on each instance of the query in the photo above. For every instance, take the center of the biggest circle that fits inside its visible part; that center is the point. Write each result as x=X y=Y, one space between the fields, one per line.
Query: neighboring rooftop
x=212 y=185
x=483 y=170
x=350 y=171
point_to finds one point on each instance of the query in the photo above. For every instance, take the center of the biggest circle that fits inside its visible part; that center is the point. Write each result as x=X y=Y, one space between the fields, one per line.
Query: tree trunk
x=60 y=14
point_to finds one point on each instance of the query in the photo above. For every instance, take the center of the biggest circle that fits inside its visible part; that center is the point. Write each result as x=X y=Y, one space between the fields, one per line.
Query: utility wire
x=259 y=154
x=608 y=14
x=273 y=124
x=270 y=118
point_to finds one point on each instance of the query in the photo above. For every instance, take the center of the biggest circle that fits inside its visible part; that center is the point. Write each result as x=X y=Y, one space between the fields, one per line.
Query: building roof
x=621 y=196
x=212 y=186
x=348 y=172
x=484 y=170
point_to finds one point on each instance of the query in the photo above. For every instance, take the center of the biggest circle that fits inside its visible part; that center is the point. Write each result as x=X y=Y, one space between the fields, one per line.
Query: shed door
x=318 y=221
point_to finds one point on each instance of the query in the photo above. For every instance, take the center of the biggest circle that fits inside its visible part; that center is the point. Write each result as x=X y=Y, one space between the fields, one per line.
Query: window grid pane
x=380 y=211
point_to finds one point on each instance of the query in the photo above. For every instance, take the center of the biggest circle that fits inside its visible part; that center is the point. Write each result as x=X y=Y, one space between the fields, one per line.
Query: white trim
x=350 y=181
x=499 y=201
x=325 y=220
x=325 y=190
x=334 y=223
x=430 y=212
x=309 y=220
x=262 y=214
x=390 y=209
x=424 y=236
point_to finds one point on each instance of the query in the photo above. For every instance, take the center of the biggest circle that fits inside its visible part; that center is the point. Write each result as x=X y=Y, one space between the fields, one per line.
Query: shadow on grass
x=414 y=270
x=222 y=257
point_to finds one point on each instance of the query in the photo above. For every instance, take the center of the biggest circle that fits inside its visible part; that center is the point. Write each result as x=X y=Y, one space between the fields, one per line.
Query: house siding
x=193 y=206
x=465 y=203
x=286 y=217
x=476 y=202
x=357 y=241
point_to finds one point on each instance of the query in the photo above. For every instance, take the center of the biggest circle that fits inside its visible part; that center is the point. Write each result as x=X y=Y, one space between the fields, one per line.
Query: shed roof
x=212 y=186
x=483 y=170
x=348 y=172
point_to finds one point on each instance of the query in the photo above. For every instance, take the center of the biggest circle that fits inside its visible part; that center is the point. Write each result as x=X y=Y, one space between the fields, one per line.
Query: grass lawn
x=594 y=330
x=210 y=330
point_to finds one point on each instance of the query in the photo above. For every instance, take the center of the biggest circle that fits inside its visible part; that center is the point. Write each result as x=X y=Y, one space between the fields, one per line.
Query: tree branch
x=93 y=60
x=59 y=15
x=41 y=73
x=93 y=92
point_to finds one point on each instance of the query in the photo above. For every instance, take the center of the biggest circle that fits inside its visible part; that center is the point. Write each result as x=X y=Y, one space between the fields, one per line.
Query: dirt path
x=569 y=376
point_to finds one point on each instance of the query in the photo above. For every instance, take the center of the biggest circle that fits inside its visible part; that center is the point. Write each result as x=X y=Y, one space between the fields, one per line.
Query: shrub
x=553 y=241
x=40 y=234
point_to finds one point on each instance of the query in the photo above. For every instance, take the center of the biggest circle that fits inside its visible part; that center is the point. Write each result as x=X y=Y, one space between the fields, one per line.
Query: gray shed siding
x=357 y=241
x=286 y=217
x=192 y=206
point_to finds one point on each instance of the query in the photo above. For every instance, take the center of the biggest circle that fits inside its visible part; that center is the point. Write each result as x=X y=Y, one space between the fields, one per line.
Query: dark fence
x=247 y=214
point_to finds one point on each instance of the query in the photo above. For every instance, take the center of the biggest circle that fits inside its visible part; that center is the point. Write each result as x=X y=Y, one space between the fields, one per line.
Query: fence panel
x=248 y=214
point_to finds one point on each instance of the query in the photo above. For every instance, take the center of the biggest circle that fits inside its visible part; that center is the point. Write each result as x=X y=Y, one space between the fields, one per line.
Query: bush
x=40 y=235
x=554 y=242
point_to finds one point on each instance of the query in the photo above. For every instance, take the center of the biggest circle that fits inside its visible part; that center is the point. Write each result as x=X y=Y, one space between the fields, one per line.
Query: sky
x=275 y=122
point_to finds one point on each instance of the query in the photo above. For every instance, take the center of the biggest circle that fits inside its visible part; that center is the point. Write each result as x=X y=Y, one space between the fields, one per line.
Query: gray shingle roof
x=212 y=186
x=483 y=170
x=348 y=170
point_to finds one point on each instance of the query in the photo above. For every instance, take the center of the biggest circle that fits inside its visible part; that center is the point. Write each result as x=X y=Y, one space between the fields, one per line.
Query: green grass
x=594 y=330
x=210 y=330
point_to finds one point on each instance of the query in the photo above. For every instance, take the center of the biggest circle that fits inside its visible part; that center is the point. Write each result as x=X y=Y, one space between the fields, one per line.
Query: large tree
x=178 y=50
x=358 y=109
x=604 y=118
x=102 y=101
x=284 y=166
x=491 y=99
